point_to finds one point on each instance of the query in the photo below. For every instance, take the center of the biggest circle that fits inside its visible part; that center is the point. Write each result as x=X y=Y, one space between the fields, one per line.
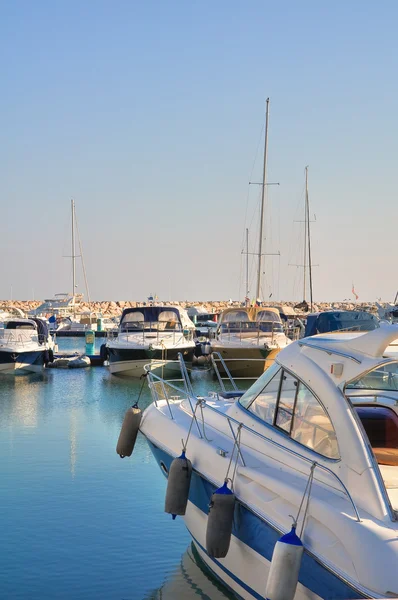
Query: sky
x=150 y=115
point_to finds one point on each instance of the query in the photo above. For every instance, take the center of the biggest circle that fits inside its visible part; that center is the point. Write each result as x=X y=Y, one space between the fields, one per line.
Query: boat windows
x=383 y=378
x=312 y=426
x=381 y=426
x=280 y=399
x=287 y=398
x=235 y=316
x=168 y=320
x=133 y=321
x=265 y=402
x=259 y=385
x=19 y=325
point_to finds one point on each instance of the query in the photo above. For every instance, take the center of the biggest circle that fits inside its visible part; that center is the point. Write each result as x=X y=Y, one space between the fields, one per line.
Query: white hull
x=135 y=368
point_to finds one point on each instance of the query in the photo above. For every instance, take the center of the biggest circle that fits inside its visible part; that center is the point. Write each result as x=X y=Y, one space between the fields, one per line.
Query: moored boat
x=296 y=444
x=25 y=345
x=248 y=339
x=149 y=334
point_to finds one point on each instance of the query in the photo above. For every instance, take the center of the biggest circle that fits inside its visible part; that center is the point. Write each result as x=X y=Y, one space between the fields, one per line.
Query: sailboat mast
x=260 y=244
x=307 y=219
x=305 y=236
x=247 y=262
x=73 y=251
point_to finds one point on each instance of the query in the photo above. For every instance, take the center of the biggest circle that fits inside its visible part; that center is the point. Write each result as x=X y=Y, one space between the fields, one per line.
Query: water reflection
x=190 y=580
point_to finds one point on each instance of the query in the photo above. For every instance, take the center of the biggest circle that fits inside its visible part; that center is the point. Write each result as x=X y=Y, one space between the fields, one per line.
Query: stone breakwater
x=111 y=308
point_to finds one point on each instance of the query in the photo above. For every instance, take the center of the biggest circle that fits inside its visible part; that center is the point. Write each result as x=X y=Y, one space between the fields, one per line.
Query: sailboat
x=307 y=261
x=61 y=310
x=248 y=338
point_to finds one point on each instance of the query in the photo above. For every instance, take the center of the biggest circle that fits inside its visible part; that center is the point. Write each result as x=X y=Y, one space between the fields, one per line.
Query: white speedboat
x=25 y=345
x=315 y=437
x=149 y=334
x=248 y=339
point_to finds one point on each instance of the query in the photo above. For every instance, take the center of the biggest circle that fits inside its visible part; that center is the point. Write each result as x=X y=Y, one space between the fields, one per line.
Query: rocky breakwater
x=112 y=308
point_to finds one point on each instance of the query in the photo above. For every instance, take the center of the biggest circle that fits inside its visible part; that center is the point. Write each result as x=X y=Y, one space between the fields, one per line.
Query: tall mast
x=260 y=244
x=308 y=232
x=73 y=251
x=305 y=236
x=247 y=262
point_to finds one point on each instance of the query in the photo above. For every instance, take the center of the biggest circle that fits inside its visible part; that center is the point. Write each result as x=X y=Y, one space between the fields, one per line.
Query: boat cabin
x=153 y=318
x=246 y=322
x=340 y=320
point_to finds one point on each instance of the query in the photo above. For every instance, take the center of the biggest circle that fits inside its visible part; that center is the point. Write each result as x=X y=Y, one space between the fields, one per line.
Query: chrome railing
x=217 y=356
x=151 y=333
x=249 y=330
x=156 y=382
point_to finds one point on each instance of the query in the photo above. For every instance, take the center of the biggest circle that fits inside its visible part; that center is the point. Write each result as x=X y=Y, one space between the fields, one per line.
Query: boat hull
x=245 y=568
x=130 y=362
x=12 y=362
x=245 y=362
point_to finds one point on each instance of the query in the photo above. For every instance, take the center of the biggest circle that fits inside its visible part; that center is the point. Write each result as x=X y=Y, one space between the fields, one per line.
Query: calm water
x=76 y=521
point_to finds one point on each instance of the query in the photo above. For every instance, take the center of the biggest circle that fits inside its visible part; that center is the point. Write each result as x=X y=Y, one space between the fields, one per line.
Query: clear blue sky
x=149 y=115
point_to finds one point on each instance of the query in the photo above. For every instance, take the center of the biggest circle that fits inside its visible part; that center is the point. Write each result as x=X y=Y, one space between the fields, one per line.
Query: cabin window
x=260 y=399
x=383 y=378
x=286 y=402
x=235 y=316
x=280 y=399
x=312 y=426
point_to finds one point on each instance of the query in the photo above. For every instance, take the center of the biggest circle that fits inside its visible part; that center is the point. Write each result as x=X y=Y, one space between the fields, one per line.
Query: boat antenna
x=396 y=298
x=307 y=219
x=260 y=244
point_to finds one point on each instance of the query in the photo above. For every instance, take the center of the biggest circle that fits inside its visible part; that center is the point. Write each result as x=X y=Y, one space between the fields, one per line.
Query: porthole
x=165 y=470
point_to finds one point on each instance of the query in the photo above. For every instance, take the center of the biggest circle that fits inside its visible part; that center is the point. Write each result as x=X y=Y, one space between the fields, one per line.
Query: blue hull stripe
x=228 y=572
x=261 y=537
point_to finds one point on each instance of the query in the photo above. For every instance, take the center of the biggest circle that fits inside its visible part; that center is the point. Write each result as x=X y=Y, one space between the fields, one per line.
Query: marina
x=198 y=301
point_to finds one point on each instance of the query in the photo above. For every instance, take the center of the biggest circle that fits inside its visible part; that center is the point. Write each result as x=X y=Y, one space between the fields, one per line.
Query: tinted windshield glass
x=383 y=378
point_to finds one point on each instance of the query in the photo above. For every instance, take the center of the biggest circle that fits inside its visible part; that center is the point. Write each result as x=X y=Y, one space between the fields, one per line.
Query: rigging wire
x=81 y=256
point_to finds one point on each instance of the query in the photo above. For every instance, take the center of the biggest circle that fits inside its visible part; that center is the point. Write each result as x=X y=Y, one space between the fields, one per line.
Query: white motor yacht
x=25 y=345
x=248 y=339
x=313 y=441
x=149 y=334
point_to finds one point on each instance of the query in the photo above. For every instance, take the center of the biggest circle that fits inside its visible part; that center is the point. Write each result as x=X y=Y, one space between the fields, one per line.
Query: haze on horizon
x=150 y=115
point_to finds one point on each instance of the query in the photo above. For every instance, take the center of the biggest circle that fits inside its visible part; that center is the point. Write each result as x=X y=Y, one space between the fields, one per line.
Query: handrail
x=256 y=433
x=255 y=330
x=217 y=371
x=290 y=451
x=329 y=351
x=151 y=376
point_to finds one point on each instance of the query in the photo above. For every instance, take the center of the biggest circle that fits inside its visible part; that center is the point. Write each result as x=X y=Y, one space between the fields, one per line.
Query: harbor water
x=76 y=521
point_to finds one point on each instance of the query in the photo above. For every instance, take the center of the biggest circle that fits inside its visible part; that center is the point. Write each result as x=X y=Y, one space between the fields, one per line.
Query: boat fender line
x=179 y=479
x=222 y=508
x=285 y=566
x=131 y=424
x=178 y=484
x=220 y=521
x=288 y=551
x=104 y=352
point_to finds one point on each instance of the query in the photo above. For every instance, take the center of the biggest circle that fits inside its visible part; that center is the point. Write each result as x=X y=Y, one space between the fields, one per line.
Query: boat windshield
x=383 y=378
x=135 y=322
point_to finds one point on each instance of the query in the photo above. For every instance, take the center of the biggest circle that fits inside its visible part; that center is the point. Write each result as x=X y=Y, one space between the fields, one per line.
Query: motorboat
x=149 y=334
x=340 y=320
x=25 y=345
x=248 y=339
x=314 y=441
